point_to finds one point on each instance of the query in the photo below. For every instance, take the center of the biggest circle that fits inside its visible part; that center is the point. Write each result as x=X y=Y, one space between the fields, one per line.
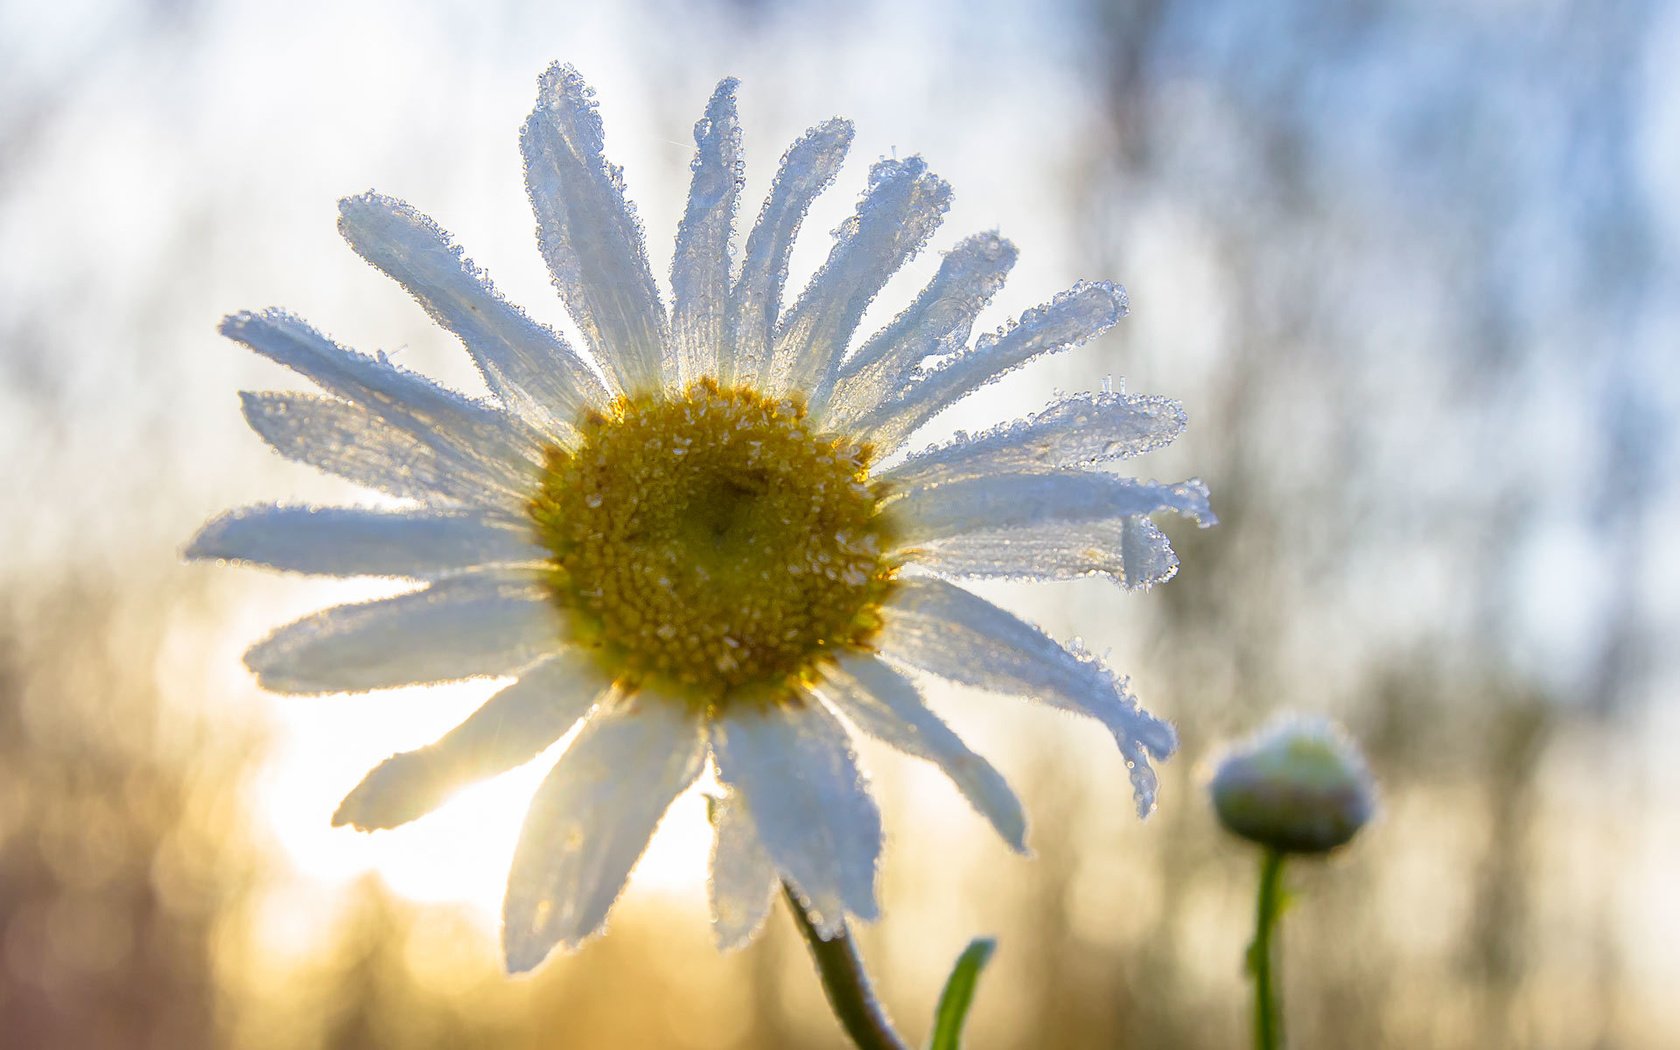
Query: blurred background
x=1412 y=267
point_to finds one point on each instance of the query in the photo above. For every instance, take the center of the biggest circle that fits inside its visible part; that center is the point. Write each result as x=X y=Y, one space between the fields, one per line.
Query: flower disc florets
x=711 y=540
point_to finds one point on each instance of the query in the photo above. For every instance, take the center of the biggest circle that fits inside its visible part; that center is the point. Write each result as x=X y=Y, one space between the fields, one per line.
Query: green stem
x=1268 y=1016
x=846 y=984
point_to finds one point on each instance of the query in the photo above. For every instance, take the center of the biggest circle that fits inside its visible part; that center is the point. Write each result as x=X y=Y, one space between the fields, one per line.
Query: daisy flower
x=696 y=539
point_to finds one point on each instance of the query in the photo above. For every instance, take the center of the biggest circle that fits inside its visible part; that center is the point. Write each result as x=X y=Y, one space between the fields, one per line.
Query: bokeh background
x=1412 y=266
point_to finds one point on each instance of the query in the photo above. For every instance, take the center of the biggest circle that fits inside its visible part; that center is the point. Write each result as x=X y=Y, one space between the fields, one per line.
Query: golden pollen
x=711 y=542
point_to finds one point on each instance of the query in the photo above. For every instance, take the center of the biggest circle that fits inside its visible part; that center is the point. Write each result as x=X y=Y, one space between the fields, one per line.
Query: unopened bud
x=1297 y=786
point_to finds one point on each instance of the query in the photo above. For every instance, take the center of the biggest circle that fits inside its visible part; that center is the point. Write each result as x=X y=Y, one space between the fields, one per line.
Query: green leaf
x=958 y=995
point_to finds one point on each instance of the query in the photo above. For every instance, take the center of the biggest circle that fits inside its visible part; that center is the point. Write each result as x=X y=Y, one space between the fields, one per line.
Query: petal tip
x=1117 y=295
x=269 y=666
x=359 y=201
x=204 y=547
x=1017 y=840
x=235 y=324
x=560 y=83
x=521 y=958
x=838 y=129
x=724 y=93
x=356 y=810
x=731 y=939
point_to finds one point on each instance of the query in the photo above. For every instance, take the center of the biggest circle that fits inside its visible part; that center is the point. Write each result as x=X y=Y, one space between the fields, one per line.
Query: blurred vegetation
x=134 y=897
x=1408 y=276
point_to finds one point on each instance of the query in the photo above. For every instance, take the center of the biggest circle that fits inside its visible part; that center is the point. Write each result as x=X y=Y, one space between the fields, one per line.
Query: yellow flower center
x=712 y=543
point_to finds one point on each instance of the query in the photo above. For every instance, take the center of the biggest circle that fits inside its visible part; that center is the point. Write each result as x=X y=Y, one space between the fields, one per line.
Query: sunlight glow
x=461 y=852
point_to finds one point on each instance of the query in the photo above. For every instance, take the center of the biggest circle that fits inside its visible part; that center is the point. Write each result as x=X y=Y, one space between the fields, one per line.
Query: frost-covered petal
x=700 y=267
x=904 y=204
x=945 y=630
x=1023 y=501
x=501 y=449
x=528 y=365
x=591 y=820
x=351 y=442
x=1132 y=551
x=589 y=234
x=743 y=881
x=809 y=165
x=360 y=541
x=937 y=324
x=483 y=623
x=1081 y=313
x=512 y=728
x=1078 y=431
x=887 y=706
x=794 y=766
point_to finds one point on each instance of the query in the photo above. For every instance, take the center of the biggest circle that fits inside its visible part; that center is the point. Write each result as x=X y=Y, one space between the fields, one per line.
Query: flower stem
x=846 y=984
x=1268 y=1017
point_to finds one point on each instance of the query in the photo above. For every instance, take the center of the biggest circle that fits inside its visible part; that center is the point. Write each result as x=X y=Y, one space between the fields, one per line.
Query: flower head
x=1300 y=785
x=686 y=535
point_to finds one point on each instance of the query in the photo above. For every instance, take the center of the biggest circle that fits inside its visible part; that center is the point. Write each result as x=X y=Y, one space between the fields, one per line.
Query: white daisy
x=693 y=549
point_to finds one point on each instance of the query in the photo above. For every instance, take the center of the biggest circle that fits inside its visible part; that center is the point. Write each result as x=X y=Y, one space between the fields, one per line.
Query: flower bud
x=1297 y=786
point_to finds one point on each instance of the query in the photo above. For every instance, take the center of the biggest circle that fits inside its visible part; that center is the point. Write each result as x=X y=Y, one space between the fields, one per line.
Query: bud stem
x=846 y=984
x=1268 y=1017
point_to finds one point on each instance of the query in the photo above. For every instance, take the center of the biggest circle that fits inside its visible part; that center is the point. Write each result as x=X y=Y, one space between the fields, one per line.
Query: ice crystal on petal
x=528 y=365
x=1081 y=313
x=1132 y=551
x=589 y=234
x=807 y=169
x=356 y=541
x=903 y=207
x=1022 y=501
x=937 y=324
x=949 y=632
x=1079 y=431
x=701 y=265
x=353 y=443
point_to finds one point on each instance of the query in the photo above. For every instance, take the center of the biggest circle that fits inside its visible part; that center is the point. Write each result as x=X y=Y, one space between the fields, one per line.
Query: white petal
x=483 y=623
x=499 y=446
x=947 y=631
x=1083 y=312
x=1024 y=501
x=887 y=706
x=701 y=265
x=904 y=204
x=528 y=365
x=353 y=443
x=358 y=541
x=1130 y=550
x=937 y=324
x=807 y=168
x=512 y=728
x=744 y=880
x=591 y=820
x=1078 y=431
x=589 y=233
x=1147 y=555
x=794 y=766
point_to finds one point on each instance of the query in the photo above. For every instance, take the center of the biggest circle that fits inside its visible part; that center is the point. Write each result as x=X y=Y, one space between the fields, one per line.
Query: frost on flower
x=680 y=534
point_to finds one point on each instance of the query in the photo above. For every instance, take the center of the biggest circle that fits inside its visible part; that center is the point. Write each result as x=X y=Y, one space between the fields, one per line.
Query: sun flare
x=460 y=854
